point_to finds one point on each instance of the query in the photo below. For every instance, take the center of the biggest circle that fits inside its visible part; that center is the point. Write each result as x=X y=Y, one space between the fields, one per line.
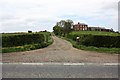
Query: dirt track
x=60 y=51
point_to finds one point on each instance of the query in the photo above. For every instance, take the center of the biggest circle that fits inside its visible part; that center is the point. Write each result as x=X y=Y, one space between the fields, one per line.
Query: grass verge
x=92 y=48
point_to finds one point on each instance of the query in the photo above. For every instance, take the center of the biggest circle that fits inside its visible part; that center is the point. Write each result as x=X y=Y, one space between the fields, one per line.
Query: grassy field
x=27 y=47
x=96 y=33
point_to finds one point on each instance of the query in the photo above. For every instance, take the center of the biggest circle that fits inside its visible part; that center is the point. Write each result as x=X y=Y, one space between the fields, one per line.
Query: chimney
x=78 y=22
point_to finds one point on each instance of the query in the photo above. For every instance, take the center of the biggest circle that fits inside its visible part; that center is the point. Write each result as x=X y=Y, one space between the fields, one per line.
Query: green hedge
x=102 y=41
x=97 y=40
x=19 y=40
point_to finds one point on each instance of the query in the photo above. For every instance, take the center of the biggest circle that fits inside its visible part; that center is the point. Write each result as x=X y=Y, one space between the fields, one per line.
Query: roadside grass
x=27 y=47
x=92 y=48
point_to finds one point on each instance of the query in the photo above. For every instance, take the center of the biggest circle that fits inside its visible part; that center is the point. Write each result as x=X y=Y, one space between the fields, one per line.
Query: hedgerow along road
x=60 y=51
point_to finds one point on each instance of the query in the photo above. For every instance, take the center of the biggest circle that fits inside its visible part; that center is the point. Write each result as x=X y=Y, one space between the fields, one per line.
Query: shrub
x=29 y=31
x=19 y=40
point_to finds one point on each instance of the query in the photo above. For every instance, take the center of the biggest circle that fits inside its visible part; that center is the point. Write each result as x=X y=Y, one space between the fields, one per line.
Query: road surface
x=60 y=51
x=59 y=71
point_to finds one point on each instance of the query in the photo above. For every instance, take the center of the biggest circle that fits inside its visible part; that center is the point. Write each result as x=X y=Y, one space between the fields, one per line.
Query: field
x=12 y=34
x=14 y=42
x=95 y=41
x=95 y=33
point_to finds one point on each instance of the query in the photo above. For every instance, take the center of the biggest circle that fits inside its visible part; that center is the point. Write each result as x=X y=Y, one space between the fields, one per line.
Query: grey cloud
x=36 y=14
x=7 y=17
x=14 y=26
x=110 y=6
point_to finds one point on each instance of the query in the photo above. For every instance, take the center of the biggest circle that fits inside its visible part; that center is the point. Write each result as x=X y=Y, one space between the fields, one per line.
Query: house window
x=83 y=29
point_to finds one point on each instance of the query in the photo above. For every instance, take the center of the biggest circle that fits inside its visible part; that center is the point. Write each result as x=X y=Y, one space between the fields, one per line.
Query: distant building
x=99 y=29
x=96 y=28
x=80 y=26
x=84 y=27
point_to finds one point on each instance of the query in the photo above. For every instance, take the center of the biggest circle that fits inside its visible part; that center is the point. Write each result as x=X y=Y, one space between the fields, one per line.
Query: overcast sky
x=37 y=15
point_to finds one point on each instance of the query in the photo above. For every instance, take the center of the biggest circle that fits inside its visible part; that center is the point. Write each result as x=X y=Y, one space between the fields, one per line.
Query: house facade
x=80 y=26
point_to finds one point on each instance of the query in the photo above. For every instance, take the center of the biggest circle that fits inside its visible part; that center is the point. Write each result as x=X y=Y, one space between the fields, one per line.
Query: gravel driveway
x=60 y=51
